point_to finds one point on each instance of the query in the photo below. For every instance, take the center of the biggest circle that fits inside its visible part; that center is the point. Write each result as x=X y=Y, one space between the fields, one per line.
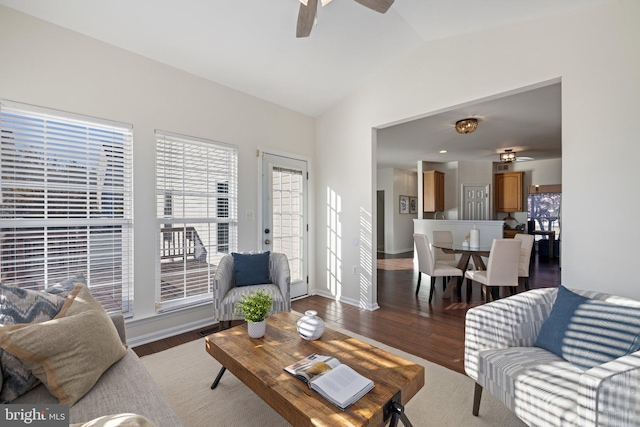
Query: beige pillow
x=79 y=300
x=118 y=420
x=67 y=354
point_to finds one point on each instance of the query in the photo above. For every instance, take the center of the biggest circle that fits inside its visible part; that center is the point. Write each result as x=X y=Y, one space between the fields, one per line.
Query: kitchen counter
x=489 y=230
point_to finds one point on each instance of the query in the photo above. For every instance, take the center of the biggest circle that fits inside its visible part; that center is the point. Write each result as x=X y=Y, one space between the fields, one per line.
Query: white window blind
x=66 y=202
x=196 y=193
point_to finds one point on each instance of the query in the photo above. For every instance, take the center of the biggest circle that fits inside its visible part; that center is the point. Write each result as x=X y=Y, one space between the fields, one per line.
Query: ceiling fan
x=309 y=8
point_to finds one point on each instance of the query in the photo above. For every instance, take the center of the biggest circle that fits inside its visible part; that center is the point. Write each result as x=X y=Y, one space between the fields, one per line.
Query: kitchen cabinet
x=433 y=191
x=508 y=192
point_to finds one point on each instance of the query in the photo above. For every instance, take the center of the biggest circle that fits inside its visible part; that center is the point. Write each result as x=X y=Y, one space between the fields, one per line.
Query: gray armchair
x=226 y=294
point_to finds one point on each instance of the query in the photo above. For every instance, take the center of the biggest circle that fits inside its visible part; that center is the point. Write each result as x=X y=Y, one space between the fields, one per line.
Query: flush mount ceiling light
x=466 y=125
x=508 y=156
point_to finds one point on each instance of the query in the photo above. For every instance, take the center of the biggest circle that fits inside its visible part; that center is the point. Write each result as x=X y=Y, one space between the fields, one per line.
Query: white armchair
x=540 y=387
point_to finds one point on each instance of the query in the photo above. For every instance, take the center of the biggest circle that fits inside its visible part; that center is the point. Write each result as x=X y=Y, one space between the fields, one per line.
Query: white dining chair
x=525 y=257
x=444 y=236
x=428 y=265
x=502 y=269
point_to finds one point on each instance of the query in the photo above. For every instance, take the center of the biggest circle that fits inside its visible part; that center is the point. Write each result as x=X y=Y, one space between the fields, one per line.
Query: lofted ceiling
x=250 y=45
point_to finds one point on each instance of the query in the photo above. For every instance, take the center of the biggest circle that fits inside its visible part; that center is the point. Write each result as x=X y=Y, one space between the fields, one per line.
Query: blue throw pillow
x=251 y=269
x=588 y=332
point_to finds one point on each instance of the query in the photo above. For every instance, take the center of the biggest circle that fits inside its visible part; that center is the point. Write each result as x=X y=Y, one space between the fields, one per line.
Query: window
x=196 y=192
x=66 y=202
x=544 y=207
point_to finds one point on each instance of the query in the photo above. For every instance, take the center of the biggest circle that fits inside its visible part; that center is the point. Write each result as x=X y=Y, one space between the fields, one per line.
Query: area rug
x=185 y=373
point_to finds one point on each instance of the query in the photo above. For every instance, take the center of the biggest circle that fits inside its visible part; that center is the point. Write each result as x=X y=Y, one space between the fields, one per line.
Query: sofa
x=558 y=357
x=120 y=389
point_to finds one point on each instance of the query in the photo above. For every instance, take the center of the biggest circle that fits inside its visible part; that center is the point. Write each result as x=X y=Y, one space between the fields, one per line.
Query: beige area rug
x=185 y=373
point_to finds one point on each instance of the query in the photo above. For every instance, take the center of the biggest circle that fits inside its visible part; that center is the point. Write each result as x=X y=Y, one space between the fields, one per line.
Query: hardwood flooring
x=434 y=332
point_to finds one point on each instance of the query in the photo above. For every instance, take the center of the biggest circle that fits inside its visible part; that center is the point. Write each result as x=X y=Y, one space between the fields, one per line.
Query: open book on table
x=336 y=382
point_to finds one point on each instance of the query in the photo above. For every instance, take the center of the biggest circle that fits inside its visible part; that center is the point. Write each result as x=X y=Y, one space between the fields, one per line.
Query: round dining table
x=466 y=252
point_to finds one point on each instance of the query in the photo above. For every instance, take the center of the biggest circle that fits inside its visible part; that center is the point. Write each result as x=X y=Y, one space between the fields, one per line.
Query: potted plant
x=255 y=308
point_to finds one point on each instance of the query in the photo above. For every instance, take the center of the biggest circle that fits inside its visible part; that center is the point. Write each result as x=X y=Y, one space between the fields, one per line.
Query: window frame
x=65 y=177
x=199 y=177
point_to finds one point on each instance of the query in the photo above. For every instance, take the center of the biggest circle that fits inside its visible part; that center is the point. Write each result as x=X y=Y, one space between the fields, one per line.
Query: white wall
x=593 y=52
x=398 y=227
x=52 y=67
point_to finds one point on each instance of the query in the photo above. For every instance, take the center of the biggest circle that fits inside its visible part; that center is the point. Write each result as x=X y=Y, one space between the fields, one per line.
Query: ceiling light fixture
x=508 y=156
x=466 y=125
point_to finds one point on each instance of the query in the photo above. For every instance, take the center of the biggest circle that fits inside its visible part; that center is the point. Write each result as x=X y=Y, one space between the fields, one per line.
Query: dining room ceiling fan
x=309 y=9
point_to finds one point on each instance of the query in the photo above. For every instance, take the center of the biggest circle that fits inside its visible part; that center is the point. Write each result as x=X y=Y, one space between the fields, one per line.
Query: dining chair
x=525 y=257
x=444 y=236
x=428 y=265
x=502 y=269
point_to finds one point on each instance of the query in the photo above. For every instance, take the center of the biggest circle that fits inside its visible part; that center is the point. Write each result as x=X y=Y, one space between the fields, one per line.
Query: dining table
x=551 y=238
x=466 y=253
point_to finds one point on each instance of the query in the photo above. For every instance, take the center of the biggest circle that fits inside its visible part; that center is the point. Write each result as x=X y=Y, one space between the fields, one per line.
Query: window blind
x=66 y=202
x=196 y=193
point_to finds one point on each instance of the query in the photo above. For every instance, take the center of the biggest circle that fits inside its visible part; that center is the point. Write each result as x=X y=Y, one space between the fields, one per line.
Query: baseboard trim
x=349 y=301
x=169 y=332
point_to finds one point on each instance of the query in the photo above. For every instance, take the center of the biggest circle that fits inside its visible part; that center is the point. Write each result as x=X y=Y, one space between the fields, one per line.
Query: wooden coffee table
x=259 y=364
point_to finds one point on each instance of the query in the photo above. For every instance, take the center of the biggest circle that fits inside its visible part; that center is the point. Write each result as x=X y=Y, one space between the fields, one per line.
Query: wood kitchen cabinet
x=433 y=191
x=508 y=191
x=509 y=234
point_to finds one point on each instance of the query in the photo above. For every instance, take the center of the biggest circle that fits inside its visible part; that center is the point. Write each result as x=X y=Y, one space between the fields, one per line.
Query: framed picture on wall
x=413 y=205
x=404 y=204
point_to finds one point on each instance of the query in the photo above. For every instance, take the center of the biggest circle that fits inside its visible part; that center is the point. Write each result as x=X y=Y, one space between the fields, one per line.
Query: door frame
x=310 y=205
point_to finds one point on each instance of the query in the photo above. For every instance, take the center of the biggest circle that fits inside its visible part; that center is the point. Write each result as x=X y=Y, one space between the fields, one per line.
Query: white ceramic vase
x=310 y=326
x=257 y=329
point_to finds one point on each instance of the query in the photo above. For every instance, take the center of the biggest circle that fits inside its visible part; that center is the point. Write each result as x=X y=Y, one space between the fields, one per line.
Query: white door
x=284 y=215
x=475 y=202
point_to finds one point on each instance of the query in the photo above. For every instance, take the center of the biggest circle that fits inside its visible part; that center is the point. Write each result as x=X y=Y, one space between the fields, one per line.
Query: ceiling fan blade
x=306 y=16
x=378 y=5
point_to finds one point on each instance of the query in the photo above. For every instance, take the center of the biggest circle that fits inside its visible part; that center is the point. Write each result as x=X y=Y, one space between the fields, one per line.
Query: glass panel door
x=284 y=223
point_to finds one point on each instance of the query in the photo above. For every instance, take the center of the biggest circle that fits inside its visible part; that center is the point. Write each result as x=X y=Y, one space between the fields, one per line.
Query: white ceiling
x=250 y=45
x=529 y=123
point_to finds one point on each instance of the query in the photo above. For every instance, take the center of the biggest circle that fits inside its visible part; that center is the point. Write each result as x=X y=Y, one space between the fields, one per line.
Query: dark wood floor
x=434 y=332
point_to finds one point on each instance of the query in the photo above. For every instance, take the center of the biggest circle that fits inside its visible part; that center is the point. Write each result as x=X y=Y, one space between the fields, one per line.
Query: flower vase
x=257 y=329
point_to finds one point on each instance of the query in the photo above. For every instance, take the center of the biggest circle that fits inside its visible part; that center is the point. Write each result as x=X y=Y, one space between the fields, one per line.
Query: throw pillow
x=79 y=300
x=67 y=354
x=64 y=288
x=118 y=420
x=588 y=332
x=251 y=269
x=22 y=306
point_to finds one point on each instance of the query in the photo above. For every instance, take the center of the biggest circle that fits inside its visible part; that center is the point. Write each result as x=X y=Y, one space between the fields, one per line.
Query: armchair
x=226 y=294
x=540 y=387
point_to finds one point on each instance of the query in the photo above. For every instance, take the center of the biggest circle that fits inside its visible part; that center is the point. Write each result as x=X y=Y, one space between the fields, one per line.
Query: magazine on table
x=336 y=382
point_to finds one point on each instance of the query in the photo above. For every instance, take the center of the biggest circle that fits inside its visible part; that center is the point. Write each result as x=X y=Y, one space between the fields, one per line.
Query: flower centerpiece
x=255 y=308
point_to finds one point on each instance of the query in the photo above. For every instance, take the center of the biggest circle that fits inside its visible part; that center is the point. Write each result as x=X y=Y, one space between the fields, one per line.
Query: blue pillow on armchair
x=251 y=269
x=589 y=332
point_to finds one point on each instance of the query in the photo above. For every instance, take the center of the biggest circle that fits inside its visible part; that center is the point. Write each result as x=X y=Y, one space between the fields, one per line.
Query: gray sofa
x=126 y=387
